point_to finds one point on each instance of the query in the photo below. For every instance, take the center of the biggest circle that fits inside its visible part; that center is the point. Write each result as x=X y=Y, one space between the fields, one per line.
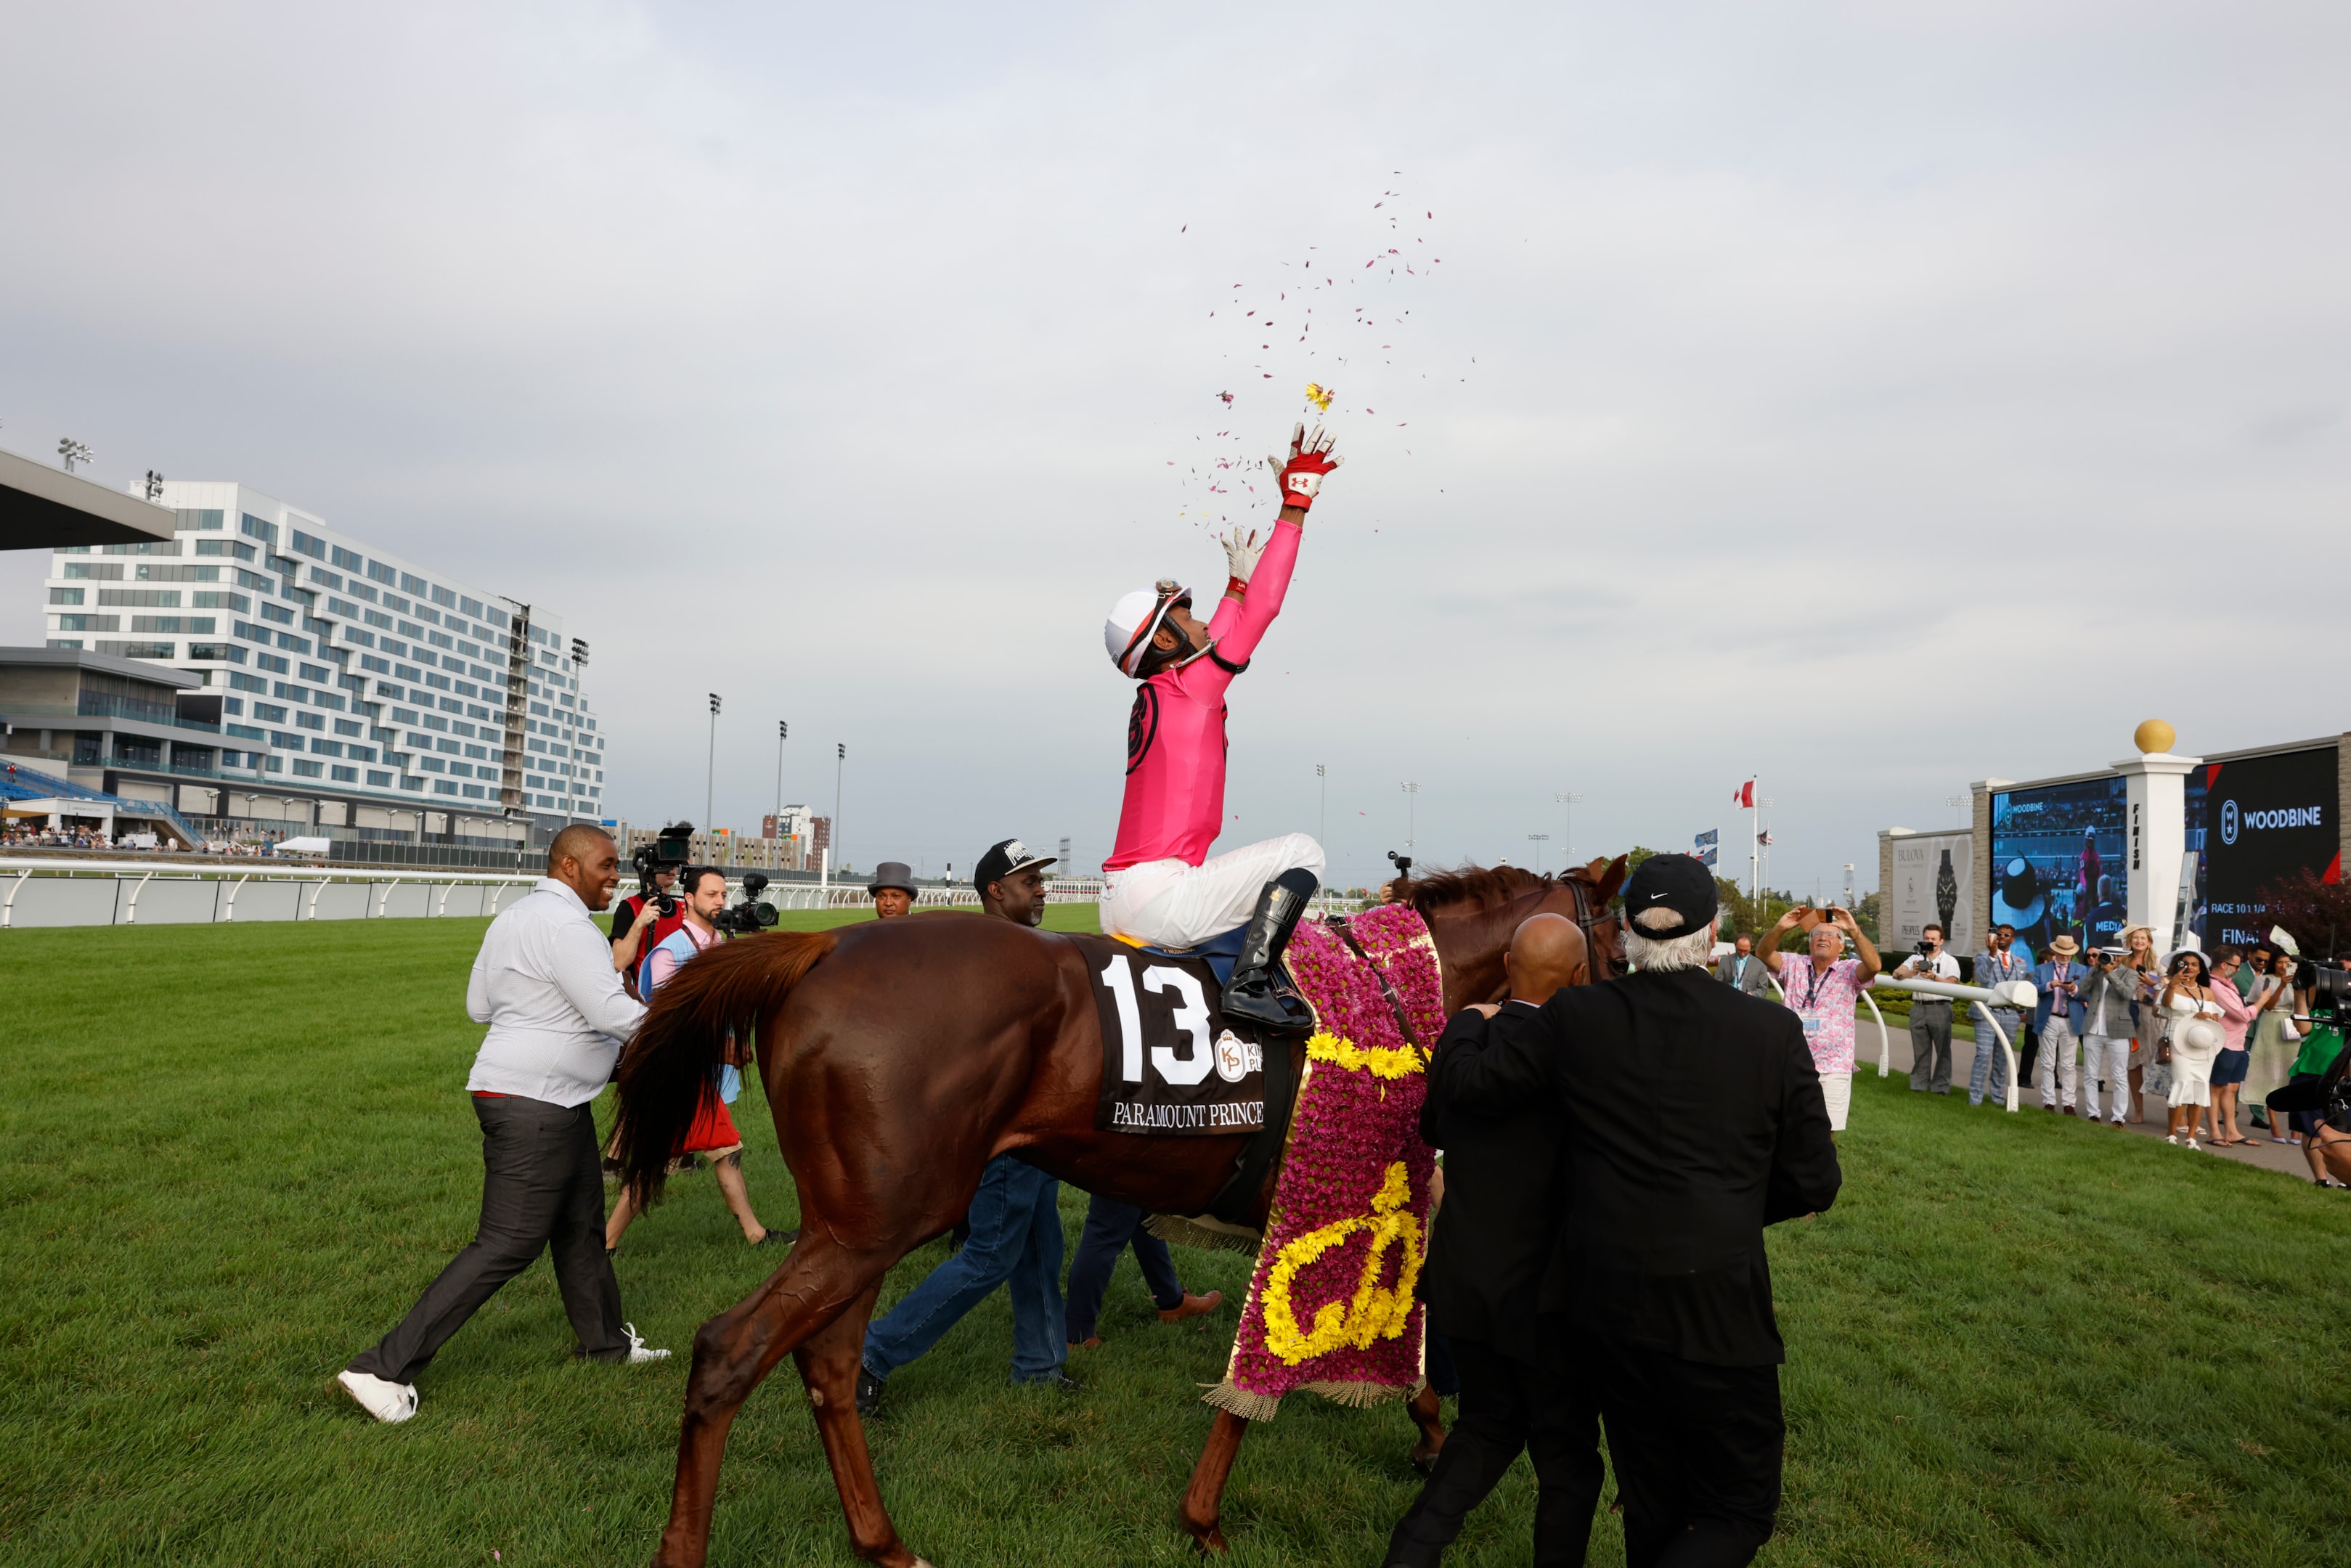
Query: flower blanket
x=1330 y=1308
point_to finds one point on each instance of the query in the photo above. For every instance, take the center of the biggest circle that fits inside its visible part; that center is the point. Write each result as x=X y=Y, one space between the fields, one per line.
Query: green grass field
x=230 y=1157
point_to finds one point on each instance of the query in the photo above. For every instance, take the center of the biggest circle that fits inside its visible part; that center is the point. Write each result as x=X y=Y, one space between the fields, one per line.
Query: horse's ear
x=1612 y=879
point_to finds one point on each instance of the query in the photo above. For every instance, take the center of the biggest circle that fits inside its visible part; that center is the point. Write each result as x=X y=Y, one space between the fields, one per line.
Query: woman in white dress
x=2192 y=1038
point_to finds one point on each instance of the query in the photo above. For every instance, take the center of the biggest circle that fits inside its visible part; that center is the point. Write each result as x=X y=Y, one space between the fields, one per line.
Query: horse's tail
x=668 y=1067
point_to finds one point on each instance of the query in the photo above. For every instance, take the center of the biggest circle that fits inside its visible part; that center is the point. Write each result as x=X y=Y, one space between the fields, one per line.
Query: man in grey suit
x=1743 y=969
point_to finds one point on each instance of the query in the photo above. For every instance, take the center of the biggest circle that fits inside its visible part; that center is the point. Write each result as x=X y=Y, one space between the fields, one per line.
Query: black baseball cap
x=1677 y=883
x=1003 y=860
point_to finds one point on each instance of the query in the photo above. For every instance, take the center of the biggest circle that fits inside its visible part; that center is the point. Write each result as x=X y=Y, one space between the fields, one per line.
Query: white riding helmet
x=1136 y=618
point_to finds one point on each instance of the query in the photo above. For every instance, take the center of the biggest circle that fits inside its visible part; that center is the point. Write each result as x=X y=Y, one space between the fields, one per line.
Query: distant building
x=338 y=685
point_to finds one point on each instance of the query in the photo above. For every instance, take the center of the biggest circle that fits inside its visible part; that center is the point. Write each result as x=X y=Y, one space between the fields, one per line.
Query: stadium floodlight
x=1411 y=804
x=155 y=486
x=710 y=776
x=1570 y=799
x=1539 y=840
x=580 y=651
x=73 y=452
x=776 y=846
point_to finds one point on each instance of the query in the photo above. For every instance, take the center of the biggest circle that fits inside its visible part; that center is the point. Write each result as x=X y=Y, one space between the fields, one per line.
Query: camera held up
x=666 y=853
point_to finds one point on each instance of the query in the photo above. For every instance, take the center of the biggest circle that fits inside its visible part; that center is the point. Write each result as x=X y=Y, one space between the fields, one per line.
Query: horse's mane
x=1485 y=886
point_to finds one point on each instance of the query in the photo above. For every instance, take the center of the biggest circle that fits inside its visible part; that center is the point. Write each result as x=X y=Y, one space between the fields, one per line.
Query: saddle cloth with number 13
x=1171 y=1065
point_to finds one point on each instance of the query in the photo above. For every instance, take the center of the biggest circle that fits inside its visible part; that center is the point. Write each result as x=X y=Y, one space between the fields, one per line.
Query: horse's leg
x=1203 y=1500
x=733 y=1352
x=1426 y=1415
x=829 y=1364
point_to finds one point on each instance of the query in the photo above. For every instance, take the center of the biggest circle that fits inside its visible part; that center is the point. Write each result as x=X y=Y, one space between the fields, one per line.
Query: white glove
x=1241 y=552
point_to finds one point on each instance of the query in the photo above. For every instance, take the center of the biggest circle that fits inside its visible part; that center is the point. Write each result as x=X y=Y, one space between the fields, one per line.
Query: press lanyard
x=1813 y=990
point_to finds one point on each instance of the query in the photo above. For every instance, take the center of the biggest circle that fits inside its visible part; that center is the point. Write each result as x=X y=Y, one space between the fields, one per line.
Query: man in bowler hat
x=891 y=890
x=1660 y=1269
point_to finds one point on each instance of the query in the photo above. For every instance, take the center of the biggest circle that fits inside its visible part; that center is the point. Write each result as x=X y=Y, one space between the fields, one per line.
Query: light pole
x=1540 y=840
x=73 y=452
x=775 y=829
x=155 y=486
x=710 y=776
x=839 y=763
x=1571 y=802
x=1411 y=806
x=1322 y=811
x=1955 y=802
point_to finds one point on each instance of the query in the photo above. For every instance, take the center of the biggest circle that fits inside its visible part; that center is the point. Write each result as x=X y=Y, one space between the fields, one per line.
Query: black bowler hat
x=1004 y=859
x=1675 y=881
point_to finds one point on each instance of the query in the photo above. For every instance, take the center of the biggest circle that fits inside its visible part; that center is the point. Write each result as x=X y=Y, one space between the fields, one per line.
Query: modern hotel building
x=341 y=686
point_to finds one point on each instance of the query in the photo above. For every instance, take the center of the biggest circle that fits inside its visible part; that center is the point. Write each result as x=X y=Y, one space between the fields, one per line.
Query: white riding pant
x=2057 y=1074
x=1168 y=903
x=2106 y=1057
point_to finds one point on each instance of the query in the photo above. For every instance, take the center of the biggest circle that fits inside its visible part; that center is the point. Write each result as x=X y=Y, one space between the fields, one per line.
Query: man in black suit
x=1493 y=1236
x=1660 y=1271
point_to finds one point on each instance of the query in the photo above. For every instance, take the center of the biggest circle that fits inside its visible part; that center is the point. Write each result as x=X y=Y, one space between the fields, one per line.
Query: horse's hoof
x=1425 y=1461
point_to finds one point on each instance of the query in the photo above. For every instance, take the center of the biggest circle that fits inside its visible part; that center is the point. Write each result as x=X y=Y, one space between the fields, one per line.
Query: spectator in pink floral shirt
x=1824 y=993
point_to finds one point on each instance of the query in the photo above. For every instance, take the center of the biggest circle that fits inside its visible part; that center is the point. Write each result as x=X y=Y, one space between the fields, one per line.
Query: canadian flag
x=1744 y=795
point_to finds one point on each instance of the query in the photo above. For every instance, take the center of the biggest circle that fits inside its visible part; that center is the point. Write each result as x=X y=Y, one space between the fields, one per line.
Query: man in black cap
x=1011 y=882
x=1660 y=1269
x=1013 y=1234
x=1490 y=1242
x=891 y=890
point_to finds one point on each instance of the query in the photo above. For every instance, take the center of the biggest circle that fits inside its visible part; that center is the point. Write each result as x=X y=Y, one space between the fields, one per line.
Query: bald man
x=544 y=983
x=1504 y=1196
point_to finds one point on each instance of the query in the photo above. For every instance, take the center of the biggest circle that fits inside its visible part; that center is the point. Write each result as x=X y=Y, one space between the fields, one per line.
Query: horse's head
x=1471 y=913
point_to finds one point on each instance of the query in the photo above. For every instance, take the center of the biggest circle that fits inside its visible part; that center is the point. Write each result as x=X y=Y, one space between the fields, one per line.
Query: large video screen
x=2057 y=864
x=2261 y=819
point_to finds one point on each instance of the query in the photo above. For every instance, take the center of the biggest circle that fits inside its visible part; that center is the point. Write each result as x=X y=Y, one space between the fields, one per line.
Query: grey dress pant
x=542 y=1185
x=1930 y=1045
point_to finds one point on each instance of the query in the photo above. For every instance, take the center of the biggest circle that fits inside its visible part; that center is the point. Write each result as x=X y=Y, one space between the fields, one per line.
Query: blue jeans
x=1990 y=1058
x=1110 y=1228
x=1016 y=1236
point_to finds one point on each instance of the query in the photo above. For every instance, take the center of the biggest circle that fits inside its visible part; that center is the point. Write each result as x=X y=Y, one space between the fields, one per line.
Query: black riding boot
x=1260 y=993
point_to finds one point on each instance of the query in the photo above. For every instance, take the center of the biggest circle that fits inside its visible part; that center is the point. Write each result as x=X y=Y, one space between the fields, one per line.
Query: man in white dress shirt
x=545 y=983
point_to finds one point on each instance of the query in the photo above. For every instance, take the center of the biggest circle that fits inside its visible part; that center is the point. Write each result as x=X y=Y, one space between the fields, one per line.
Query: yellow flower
x=1381 y=1062
x=1373 y=1313
x=1320 y=396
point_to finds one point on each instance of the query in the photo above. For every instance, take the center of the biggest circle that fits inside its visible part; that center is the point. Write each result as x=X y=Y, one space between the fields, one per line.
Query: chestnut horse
x=899 y=1058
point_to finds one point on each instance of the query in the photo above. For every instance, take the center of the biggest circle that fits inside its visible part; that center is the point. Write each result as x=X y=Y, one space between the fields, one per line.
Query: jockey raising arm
x=1162 y=890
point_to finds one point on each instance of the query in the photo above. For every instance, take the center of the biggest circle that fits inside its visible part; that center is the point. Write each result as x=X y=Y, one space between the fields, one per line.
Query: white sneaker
x=379 y=1397
x=638 y=1354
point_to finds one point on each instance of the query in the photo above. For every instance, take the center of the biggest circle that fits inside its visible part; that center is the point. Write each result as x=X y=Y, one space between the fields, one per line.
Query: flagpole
x=1755 y=849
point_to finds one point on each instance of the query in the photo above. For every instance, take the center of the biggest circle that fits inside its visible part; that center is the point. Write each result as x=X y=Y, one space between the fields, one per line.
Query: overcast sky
x=1877 y=397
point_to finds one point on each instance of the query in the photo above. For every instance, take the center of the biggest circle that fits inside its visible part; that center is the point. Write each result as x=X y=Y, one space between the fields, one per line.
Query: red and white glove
x=1310 y=457
x=1241 y=551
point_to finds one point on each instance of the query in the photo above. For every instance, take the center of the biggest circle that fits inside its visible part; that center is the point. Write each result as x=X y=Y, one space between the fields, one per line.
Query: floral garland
x=1330 y=1308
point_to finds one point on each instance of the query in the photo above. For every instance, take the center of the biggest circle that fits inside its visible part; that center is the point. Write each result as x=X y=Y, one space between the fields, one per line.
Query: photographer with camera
x=653 y=912
x=1823 y=992
x=2109 y=992
x=2312 y=1102
x=704 y=914
x=1930 y=1016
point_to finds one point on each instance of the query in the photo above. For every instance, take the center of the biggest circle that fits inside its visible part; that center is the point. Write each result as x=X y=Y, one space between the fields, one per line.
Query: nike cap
x=1677 y=883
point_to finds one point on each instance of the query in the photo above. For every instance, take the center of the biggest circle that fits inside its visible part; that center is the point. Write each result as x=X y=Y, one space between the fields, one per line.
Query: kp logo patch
x=1236 y=1058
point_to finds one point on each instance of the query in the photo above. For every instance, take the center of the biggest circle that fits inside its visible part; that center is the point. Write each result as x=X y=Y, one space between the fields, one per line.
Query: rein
x=1338 y=924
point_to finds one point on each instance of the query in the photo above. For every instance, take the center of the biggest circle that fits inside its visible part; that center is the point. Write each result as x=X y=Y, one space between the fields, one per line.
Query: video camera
x=668 y=852
x=749 y=917
x=2330 y=992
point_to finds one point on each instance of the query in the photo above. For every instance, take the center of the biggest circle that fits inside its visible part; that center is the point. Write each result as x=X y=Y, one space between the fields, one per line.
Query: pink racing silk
x=1176 y=733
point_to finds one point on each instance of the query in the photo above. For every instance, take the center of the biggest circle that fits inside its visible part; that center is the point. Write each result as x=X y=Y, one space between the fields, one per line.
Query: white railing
x=369 y=894
x=2015 y=994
